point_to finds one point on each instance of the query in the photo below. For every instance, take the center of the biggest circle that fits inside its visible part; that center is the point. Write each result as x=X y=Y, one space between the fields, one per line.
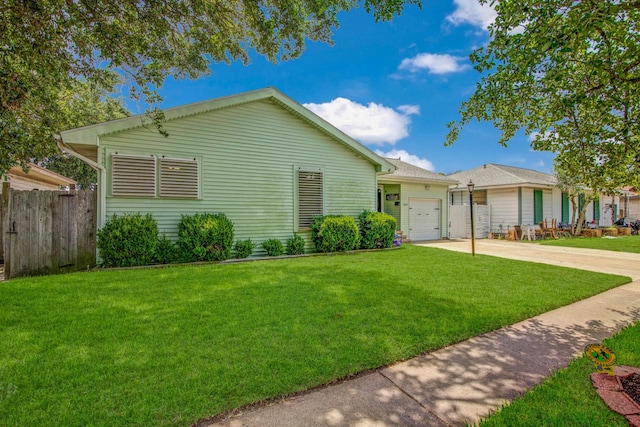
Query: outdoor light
x=470 y=186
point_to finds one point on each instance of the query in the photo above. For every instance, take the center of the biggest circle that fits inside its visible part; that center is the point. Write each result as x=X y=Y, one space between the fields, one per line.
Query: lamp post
x=470 y=186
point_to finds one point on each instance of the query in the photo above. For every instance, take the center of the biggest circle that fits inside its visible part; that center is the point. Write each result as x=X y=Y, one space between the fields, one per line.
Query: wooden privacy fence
x=47 y=232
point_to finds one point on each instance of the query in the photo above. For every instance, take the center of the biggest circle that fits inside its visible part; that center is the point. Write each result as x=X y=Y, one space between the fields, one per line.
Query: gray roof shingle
x=491 y=175
x=409 y=171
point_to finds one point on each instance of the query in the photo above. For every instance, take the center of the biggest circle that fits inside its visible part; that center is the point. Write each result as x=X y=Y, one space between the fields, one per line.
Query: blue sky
x=393 y=86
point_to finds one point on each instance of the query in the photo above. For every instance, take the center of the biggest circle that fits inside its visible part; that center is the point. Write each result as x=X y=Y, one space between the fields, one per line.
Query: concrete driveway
x=622 y=263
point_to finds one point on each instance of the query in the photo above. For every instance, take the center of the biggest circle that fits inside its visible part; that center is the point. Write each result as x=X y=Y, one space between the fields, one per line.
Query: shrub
x=295 y=245
x=333 y=233
x=166 y=251
x=273 y=247
x=205 y=237
x=128 y=240
x=376 y=229
x=244 y=248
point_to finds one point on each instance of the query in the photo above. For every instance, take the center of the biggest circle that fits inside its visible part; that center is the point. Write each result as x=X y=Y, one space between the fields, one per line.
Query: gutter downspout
x=99 y=168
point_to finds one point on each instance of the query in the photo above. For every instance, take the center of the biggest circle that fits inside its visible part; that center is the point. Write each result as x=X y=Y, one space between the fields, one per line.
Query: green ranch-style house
x=259 y=157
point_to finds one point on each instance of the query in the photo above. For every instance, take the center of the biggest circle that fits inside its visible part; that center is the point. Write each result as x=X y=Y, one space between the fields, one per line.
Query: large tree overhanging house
x=519 y=196
x=261 y=158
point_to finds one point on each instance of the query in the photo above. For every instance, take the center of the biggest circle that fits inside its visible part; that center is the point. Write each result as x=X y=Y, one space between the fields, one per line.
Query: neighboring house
x=518 y=196
x=259 y=157
x=417 y=198
x=631 y=203
x=36 y=178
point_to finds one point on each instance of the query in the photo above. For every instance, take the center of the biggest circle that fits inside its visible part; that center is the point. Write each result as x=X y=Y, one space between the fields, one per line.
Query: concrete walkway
x=464 y=382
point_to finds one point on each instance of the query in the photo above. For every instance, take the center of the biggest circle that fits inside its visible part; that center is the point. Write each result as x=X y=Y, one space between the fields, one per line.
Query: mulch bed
x=621 y=392
x=631 y=386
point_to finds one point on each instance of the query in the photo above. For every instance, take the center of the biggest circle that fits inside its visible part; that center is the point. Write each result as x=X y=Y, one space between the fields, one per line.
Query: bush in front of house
x=166 y=251
x=244 y=248
x=335 y=233
x=377 y=229
x=295 y=245
x=273 y=247
x=128 y=240
x=205 y=237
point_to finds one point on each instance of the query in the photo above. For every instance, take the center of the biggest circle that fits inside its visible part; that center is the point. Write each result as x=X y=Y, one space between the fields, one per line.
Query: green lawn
x=568 y=398
x=620 y=244
x=175 y=345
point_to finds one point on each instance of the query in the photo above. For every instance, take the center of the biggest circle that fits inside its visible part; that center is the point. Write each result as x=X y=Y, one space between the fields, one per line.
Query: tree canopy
x=568 y=74
x=48 y=46
x=81 y=105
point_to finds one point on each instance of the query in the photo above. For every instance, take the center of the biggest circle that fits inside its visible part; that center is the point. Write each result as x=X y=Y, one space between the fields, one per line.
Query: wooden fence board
x=48 y=231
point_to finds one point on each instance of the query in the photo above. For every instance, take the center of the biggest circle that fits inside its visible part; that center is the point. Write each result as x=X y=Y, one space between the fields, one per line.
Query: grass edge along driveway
x=172 y=346
x=617 y=244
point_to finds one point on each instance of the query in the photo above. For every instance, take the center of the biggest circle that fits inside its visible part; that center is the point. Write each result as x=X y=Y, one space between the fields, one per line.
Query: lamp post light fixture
x=470 y=186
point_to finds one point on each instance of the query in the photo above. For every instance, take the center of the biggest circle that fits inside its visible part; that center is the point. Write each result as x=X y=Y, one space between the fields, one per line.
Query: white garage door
x=424 y=219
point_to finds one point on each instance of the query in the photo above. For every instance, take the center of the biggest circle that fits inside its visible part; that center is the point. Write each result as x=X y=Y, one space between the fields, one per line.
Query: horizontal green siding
x=247 y=156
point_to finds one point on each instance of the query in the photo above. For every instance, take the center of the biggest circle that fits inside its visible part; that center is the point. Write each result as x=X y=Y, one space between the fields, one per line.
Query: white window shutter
x=133 y=175
x=179 y=178
x=310 y=197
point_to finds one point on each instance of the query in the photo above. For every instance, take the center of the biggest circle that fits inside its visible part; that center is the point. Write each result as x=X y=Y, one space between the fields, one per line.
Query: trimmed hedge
x=377 y=230
x=166 y=251
x=244 y=248
x=273 y=247
x=295 y=245
x=205 y=237
x=128 y=240
x=335 y=233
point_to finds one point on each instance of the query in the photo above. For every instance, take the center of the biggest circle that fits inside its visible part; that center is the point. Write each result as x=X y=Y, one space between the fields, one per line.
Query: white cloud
x=434 y=63
x=473 y=13
x=409 y=109
x=409 y=158
x=372 y=123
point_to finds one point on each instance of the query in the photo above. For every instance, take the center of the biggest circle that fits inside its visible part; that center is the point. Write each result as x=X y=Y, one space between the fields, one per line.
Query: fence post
x=6 y=239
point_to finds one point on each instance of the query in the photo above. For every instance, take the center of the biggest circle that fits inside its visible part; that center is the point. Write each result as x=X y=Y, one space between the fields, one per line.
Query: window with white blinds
x=178 y=178
x=133 y=175
x=310 y=197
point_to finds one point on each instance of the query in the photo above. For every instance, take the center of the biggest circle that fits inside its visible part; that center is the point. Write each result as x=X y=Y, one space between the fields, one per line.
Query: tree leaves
x=567 y=72
x=48 y=46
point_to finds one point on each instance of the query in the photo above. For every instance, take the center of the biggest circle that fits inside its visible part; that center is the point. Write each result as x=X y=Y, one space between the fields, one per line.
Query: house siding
x=248 y=155
x=527 y=206
x=26 y=184
x=504 y=207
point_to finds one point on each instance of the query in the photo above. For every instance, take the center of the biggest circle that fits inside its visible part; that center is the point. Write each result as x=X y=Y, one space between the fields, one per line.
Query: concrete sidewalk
x=464 y=382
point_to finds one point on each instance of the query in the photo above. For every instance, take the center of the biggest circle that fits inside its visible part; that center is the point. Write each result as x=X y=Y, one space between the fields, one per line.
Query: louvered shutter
x=133 y=175
x=310 y=197
x=178 y=178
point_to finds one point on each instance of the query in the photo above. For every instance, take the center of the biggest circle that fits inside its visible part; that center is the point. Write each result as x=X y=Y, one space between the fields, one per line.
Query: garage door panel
x=424 y=219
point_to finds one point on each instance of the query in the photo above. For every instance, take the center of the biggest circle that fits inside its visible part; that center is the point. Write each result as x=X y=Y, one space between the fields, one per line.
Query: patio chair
x=519 y=232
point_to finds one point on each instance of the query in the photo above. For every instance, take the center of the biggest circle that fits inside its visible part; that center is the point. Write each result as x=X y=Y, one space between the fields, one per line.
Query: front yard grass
x=172 y=346
x=568 y=398
x=619 y=244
